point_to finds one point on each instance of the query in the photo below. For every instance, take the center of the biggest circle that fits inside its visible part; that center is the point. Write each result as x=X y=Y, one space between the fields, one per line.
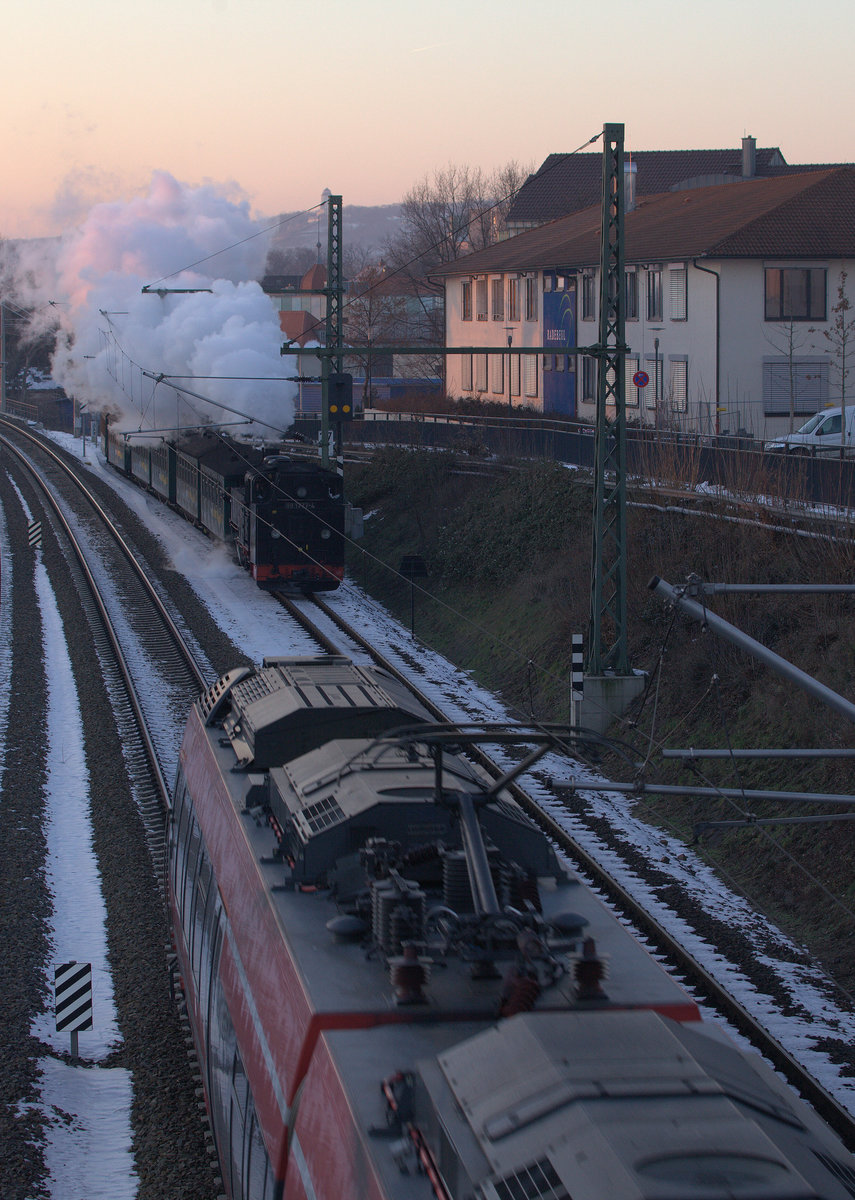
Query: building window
x=530 y=374
x=547 y=362
x=806 y=389
x=589 y=296
x=481 y=299
x=513 y=299
x=631 y=296
x=795 y=294
x=531 y=298
x=497 y=286
x=589 y=378
x=466 y=372
x=466 y=299
x=497 y=374
x=480 y=372
x=679 y=384
x=677 y=290
x=654 y=294
x=560 y=360
x=631 y=390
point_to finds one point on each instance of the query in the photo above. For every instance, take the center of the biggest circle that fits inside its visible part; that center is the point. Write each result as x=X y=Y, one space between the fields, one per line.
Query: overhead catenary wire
x=148 y=287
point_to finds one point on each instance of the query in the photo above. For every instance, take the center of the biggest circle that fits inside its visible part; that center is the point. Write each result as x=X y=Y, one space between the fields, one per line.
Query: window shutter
x=530 y=370
x=481 y=372
x=498 y=373
x=631 y=389
x=810 y=386
x=678 y=293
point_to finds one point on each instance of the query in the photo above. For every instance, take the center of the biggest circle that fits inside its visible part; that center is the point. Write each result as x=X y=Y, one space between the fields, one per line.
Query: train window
x=182 y=842
x=237 y=1127
x=177 y=816
x=200 y=900
x=240 y=1087
x=259 y=1177
x=325 y=533
x=301 y=492
x=220 y=1045
x=193 y=843
x=211 y=943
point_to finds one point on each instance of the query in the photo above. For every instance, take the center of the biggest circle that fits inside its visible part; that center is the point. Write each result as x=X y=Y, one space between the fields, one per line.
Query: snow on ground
x=86 y=1109
x=254 y=622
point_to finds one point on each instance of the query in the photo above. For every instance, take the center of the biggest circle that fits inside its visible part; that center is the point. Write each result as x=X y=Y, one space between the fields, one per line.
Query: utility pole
x=609 y=685
x=332 y=361
x=607 y=646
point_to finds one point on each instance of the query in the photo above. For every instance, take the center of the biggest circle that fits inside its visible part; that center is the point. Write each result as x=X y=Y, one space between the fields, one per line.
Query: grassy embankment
x=509 y=562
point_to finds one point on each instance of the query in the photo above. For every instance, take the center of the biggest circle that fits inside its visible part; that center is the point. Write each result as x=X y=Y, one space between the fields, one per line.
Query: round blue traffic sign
x=641 y=379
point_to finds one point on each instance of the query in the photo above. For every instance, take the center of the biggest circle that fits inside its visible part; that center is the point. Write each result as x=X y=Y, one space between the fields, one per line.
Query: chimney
x=630 y=173
x=749 y=157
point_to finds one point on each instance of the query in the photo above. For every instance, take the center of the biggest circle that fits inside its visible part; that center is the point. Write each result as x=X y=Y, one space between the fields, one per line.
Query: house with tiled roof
x=567 y=183
x=729 y=291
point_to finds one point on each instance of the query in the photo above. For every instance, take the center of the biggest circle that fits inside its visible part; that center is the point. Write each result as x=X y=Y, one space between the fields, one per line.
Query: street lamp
x=509 y=330
x=656 y=387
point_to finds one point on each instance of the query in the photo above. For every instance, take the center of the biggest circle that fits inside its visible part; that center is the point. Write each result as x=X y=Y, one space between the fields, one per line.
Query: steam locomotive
x=398 y=990
x=284 y=515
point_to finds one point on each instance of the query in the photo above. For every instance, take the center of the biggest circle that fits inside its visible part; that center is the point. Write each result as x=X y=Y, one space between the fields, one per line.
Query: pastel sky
x=279 y=99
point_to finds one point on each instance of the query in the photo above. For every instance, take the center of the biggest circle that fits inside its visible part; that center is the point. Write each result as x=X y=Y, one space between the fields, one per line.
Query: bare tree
x=375 y=318
x=839 y=334
x=447 y=215
x=787 y=337
x=29 y=332
x=295 y=261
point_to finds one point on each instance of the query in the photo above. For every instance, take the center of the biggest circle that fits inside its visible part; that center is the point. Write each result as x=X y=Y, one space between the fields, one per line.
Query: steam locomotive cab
x=290 y=525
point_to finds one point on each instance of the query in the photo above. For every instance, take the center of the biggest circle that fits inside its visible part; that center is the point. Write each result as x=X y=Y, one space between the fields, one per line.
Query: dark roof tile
x=793 y=216
x=566 y=183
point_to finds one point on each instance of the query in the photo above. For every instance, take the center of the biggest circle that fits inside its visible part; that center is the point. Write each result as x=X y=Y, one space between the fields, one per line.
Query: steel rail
x=161 y=784
x=174 y=631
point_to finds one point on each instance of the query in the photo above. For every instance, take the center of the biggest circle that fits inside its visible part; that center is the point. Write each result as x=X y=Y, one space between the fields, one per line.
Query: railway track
x=334 y=635
x=127 y=608
x=133 y=666
x=698 y=978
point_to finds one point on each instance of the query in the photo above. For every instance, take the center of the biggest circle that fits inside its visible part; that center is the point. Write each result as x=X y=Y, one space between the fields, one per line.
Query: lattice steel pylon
x=335 y=281
x=334 y=294
x=607 y=637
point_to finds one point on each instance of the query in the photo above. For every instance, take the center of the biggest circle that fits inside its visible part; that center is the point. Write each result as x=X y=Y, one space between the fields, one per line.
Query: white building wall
x=731 y=403
x=748 y=340
x=492 y=334
x=689 y=340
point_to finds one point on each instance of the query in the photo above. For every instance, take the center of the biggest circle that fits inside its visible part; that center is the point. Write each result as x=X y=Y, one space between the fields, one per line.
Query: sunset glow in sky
x=274 y=100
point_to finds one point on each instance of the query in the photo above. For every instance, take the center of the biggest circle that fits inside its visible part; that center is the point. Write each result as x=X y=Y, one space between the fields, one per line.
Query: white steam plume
x=115 y=338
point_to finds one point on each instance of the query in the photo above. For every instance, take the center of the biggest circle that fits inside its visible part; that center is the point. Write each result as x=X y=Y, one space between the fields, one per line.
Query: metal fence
x=685 y=462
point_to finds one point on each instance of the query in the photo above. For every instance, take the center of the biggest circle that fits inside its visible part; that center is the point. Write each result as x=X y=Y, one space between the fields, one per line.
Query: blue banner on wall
x=559 y=320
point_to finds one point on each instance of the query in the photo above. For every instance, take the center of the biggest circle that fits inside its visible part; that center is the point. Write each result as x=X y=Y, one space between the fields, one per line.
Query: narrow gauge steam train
x=285 y=516
x=398 y=992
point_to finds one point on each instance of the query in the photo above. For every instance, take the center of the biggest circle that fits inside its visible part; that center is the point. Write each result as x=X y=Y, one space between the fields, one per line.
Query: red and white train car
x=398 y=992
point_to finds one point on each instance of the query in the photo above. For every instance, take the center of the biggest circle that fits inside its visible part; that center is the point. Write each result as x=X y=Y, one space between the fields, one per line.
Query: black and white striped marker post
x=73 y=999
x=34 y=534
x=577 y=679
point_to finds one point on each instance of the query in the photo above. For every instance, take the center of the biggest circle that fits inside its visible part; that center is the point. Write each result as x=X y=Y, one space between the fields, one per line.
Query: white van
x=820 y=436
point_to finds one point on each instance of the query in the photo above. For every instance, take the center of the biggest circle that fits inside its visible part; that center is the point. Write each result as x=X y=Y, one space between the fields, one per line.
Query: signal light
x=339 y=396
